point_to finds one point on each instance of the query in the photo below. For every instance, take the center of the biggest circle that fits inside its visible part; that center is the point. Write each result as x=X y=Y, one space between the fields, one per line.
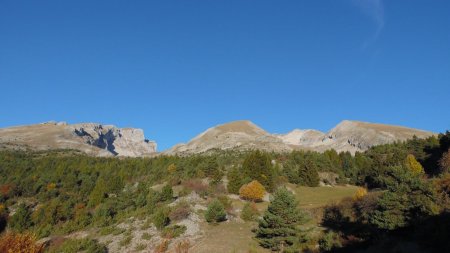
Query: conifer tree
x=257 y=165
x=279 y=227
x=413 y=165
x=235 y=181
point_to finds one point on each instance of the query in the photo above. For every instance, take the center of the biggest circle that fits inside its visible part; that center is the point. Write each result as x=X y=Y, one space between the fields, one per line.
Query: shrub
x=20 y=243
x=140 y=247
x=226 y=202
x=161 y=219
x=249 y=212
x=253 y=191
x=146 y=236
x=21 y=220
x=162 y=247
x=360 y=193
x=196 y=185
x=182 y=247
x=79 y=245
x=126 y=240
x=329 y=241
x=173 y=231
x=180 y=211
x=166 y=193
x=215 y=212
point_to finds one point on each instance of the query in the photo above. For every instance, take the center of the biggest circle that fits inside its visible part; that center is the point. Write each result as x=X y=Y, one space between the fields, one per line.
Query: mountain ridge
x=108 y=140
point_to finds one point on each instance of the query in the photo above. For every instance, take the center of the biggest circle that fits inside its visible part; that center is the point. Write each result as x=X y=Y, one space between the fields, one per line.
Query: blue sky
x=175 y=68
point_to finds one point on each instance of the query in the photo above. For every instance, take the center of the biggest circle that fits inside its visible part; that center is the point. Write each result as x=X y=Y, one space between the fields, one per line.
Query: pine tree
x=308 y=174
x=257 y=165
x=215 y=212
x=235 y=181
x=279 y=227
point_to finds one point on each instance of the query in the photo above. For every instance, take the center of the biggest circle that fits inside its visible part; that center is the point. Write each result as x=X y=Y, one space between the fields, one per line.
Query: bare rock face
x=91 y=138
x=118 y=141
x=301 y=137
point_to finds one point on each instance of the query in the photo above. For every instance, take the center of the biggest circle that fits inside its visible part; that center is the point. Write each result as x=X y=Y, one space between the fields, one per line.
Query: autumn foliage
x=253 y=191
x=20 y=243
x=360 y=193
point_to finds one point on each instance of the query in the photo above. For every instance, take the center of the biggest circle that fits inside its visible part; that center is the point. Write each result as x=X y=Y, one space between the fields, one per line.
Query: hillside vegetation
x=392 y=197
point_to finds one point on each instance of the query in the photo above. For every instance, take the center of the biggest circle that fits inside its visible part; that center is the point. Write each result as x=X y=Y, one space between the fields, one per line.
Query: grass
x=227 y=237
x=313 y=197
x=238 y=237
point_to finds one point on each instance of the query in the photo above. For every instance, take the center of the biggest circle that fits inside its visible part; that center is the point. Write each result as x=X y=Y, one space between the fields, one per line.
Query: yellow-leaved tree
x=413 y=165
x=360 y=193
x=253 y=191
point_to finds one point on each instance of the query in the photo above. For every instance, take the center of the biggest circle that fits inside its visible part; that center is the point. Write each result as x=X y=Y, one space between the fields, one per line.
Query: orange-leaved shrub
x=20 y=243
x=253 y=191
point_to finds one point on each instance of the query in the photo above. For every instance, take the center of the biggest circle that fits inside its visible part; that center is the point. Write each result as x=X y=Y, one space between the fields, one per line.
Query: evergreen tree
x=279 y=227
x=308 y=174
x=235 y=181
x=413 y=165
x=215 y=212
x=257 y=166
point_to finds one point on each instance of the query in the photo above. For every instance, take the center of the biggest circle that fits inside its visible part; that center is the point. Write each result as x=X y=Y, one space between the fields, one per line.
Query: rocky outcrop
x=91 y=138
x=301 y=137
x=118 y=141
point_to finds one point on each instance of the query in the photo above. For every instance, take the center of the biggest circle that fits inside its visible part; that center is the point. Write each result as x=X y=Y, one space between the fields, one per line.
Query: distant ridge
x=348 y=135
x=108 y=140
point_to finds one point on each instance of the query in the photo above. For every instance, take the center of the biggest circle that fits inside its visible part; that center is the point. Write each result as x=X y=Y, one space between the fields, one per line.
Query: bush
x=77 y=245
x=226 y=202
x=146 y=236
x=215 y=212
x=180 y=211
x=253 y=191
x=360 y=193
x=196 y=185
x=249 y=212
x=329 y=241
x=166 y=193
x=21 y=220
x=161 y=219
x=14 y=242
x=126 y=240
x=173 y=231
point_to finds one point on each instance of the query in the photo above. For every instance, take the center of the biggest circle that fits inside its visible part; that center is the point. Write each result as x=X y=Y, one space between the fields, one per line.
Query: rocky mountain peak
x=91 y=138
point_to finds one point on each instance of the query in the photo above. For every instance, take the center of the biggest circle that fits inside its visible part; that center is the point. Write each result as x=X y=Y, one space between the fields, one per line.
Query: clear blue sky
x=175 y=68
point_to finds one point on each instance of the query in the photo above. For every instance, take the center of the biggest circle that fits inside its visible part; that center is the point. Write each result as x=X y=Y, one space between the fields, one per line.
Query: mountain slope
x=359 y=136
x=240 y=135
x=349 y=136
x=90 y=138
